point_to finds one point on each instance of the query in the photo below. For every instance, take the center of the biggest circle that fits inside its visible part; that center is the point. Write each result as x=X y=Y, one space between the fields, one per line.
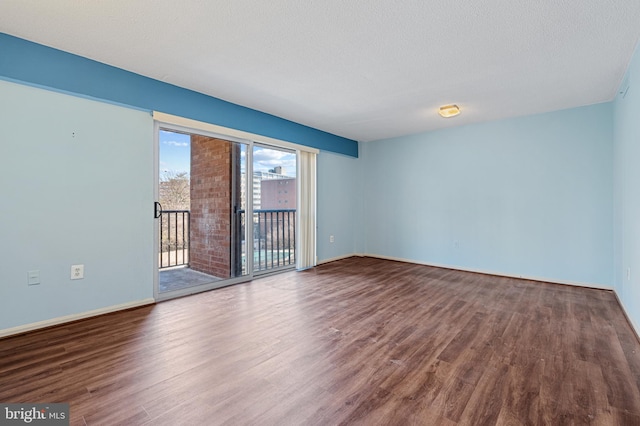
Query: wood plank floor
x=357 y=341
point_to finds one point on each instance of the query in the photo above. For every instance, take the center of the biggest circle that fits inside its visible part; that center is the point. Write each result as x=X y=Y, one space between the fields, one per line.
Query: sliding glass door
x=226 y=210
x=201 y=212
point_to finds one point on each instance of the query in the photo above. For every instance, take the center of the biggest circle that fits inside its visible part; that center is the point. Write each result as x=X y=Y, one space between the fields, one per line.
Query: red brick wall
x=211 y=180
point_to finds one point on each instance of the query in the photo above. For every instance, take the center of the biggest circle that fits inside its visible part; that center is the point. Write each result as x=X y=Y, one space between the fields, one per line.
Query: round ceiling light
x=448 y=111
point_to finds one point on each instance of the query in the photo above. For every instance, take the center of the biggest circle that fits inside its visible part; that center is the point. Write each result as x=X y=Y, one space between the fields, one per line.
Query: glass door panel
x=202 y=194
x=274 y=208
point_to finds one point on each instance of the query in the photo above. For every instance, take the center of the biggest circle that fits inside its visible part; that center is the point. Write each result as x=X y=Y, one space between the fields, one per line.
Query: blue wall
x=528 y=196
x=339 y=205
x=76 y=186
x=627 y=192
x=39 y=65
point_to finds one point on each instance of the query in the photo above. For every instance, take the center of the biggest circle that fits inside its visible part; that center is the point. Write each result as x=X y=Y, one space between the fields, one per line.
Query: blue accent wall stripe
x=35 y=64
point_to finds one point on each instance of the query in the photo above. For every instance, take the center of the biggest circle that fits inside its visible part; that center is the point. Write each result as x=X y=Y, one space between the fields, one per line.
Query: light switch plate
x=33 y=277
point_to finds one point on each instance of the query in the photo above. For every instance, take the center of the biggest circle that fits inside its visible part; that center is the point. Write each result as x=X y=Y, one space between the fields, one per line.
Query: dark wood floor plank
x=521 y=402
x=486 y=401
x=357 y=341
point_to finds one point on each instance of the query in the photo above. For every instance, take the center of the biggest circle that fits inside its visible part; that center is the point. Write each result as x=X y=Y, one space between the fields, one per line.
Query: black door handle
x=157 y=210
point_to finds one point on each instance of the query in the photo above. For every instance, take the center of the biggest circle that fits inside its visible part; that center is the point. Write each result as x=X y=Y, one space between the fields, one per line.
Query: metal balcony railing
x=274 y=238
x=274 y=243
x=174 y=238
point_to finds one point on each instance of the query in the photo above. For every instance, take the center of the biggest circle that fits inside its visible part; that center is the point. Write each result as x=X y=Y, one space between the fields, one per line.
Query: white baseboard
x=500 y=274
x=68 y=318
x=344 y=256
x=630 y=320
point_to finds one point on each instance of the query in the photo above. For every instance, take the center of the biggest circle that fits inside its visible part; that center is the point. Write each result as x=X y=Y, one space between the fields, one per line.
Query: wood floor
x=357 y=341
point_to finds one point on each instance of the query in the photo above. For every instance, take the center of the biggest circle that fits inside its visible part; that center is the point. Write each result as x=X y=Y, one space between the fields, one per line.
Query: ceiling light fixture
x=448 y=111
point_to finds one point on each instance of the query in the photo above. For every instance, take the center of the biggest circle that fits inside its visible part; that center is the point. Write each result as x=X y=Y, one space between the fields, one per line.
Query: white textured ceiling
x=363 y=69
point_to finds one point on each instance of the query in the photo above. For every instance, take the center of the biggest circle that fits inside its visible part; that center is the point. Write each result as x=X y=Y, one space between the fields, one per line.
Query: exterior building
x=258 y=178
x=278 y=194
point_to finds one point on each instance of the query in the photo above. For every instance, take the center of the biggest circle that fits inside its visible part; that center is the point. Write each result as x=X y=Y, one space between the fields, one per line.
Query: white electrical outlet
x=628 y=274
x=77 y=272
x=331 y=239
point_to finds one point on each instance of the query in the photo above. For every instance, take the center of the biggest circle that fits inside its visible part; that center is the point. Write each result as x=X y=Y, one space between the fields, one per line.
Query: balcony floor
x=182 y=277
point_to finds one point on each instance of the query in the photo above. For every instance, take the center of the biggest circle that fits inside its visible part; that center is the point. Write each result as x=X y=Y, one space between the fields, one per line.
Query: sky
x=175 y=152
x=175 y=156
